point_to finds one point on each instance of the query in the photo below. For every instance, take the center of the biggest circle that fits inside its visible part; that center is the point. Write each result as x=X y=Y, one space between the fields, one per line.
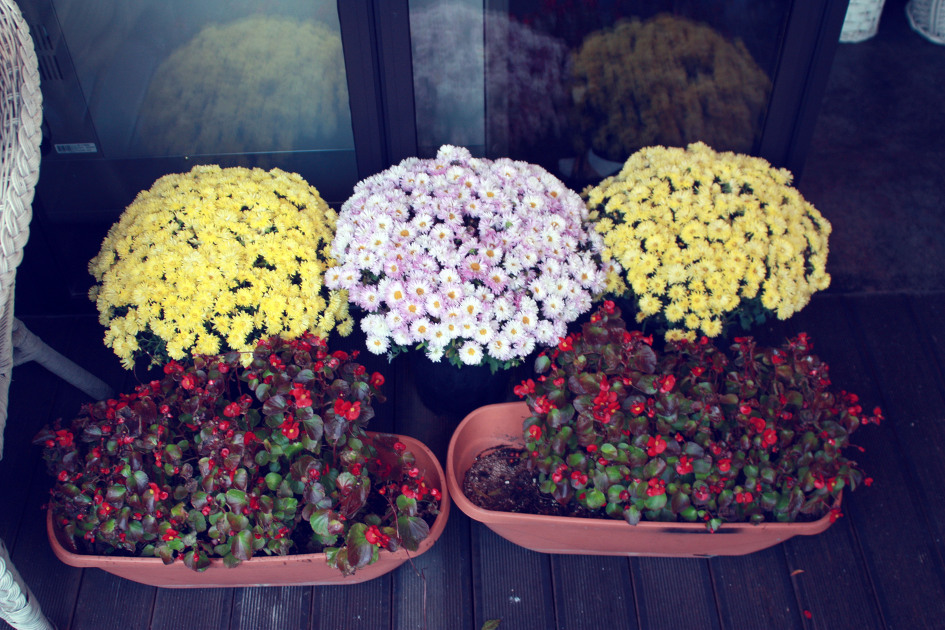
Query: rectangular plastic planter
x=291 y=570
x=494 y=426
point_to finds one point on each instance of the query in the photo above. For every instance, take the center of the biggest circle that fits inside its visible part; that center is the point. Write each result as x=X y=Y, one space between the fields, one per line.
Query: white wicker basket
x=862 y=20
x=927 y=18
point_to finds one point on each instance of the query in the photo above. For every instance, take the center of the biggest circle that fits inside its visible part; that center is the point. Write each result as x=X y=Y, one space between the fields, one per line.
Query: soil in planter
x=500 y=480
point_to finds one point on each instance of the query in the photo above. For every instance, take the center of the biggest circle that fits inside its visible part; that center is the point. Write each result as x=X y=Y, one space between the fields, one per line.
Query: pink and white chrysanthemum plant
x=470 y=259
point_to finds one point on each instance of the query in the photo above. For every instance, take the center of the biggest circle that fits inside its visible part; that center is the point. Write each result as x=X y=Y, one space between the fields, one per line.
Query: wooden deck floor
x=881 y=566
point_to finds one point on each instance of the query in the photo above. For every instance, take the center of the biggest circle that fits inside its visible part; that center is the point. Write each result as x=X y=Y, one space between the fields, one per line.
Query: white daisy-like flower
x=413 y=308
x=364 y=296
x=435 y=352
x=483 y=332
x=333 y=278
x=513 y=331
x=395 y=320
x=502 y=309
x=422 y=222
x=545 y=333
x=470 y=353
x=452 y=293
x=539 y=290
x=439 y=336
x=375 y=325
x=512 y=266
x=395 y=293
x=449 y=276
x=435 y=305
x=401 y=337
x=527 y=318
x=552 y=307
x=419 y=289
x=524 y=346
x=501 y=348
x=367 y=259
x=470 y=308
x=421 y=328
x=378 y=345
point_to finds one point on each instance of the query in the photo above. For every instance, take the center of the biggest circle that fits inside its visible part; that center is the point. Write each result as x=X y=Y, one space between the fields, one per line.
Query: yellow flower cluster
x=213 y=260
x=693 y=235
x=667 y=80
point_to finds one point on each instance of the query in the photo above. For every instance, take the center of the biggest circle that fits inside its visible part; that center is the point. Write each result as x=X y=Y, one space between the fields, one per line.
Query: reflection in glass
x=483 y=80
x=668 y=81
x=562 y=83
x=183 y=78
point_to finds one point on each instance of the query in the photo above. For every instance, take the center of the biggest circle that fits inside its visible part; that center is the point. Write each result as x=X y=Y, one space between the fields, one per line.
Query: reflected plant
x=261 y=83
x=458 y=49
x=665 y=81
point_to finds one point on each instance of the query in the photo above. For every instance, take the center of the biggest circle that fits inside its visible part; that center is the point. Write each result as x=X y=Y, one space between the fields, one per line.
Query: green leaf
x=632 y=515
x=140 y=480
x=360 y=551
x=274 y=405
x=241 y=544
x=197 y=521
x=231 y=561
x=345 y=483
x=115 y=494
x=595 y=499
x=412 y=530
x=319 y=522
x=196 y=561
x=492 y=624
x=173 y=452
x=262 y=389
x=655 y=502
x=236 y=499
x=273 y=481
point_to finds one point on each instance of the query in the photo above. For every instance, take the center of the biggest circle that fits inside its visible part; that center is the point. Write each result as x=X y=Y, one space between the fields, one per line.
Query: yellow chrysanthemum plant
x=698 y=240
x=212 y=261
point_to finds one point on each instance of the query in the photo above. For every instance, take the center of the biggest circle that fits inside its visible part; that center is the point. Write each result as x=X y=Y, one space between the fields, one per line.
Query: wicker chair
x=20 y=136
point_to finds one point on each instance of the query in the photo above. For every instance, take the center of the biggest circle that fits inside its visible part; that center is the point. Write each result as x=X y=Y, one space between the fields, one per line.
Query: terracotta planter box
x=297 y=570
x=493 y=426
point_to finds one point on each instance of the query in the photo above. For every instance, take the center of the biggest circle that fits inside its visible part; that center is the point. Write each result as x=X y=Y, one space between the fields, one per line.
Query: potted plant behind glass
x=639 y=450
x=697 y=241
x=262 y=466
x=669 y=81
x=214 y=260
x=471 y=260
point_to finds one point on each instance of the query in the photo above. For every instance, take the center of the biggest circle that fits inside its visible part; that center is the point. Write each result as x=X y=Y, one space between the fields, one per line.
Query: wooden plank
x=831 y=579
x=889 y=518
x=271 y=608
x=510 y=583
x=105 y=600
x=755 y=591
x=830 y=572
x=674 y=593
x=55 y=585
x=192 y=608
x=593 y=592
x=435 y=589
x=366 y=605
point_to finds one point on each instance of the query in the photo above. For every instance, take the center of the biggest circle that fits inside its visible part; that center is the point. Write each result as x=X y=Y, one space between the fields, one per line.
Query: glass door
x=579 y=85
